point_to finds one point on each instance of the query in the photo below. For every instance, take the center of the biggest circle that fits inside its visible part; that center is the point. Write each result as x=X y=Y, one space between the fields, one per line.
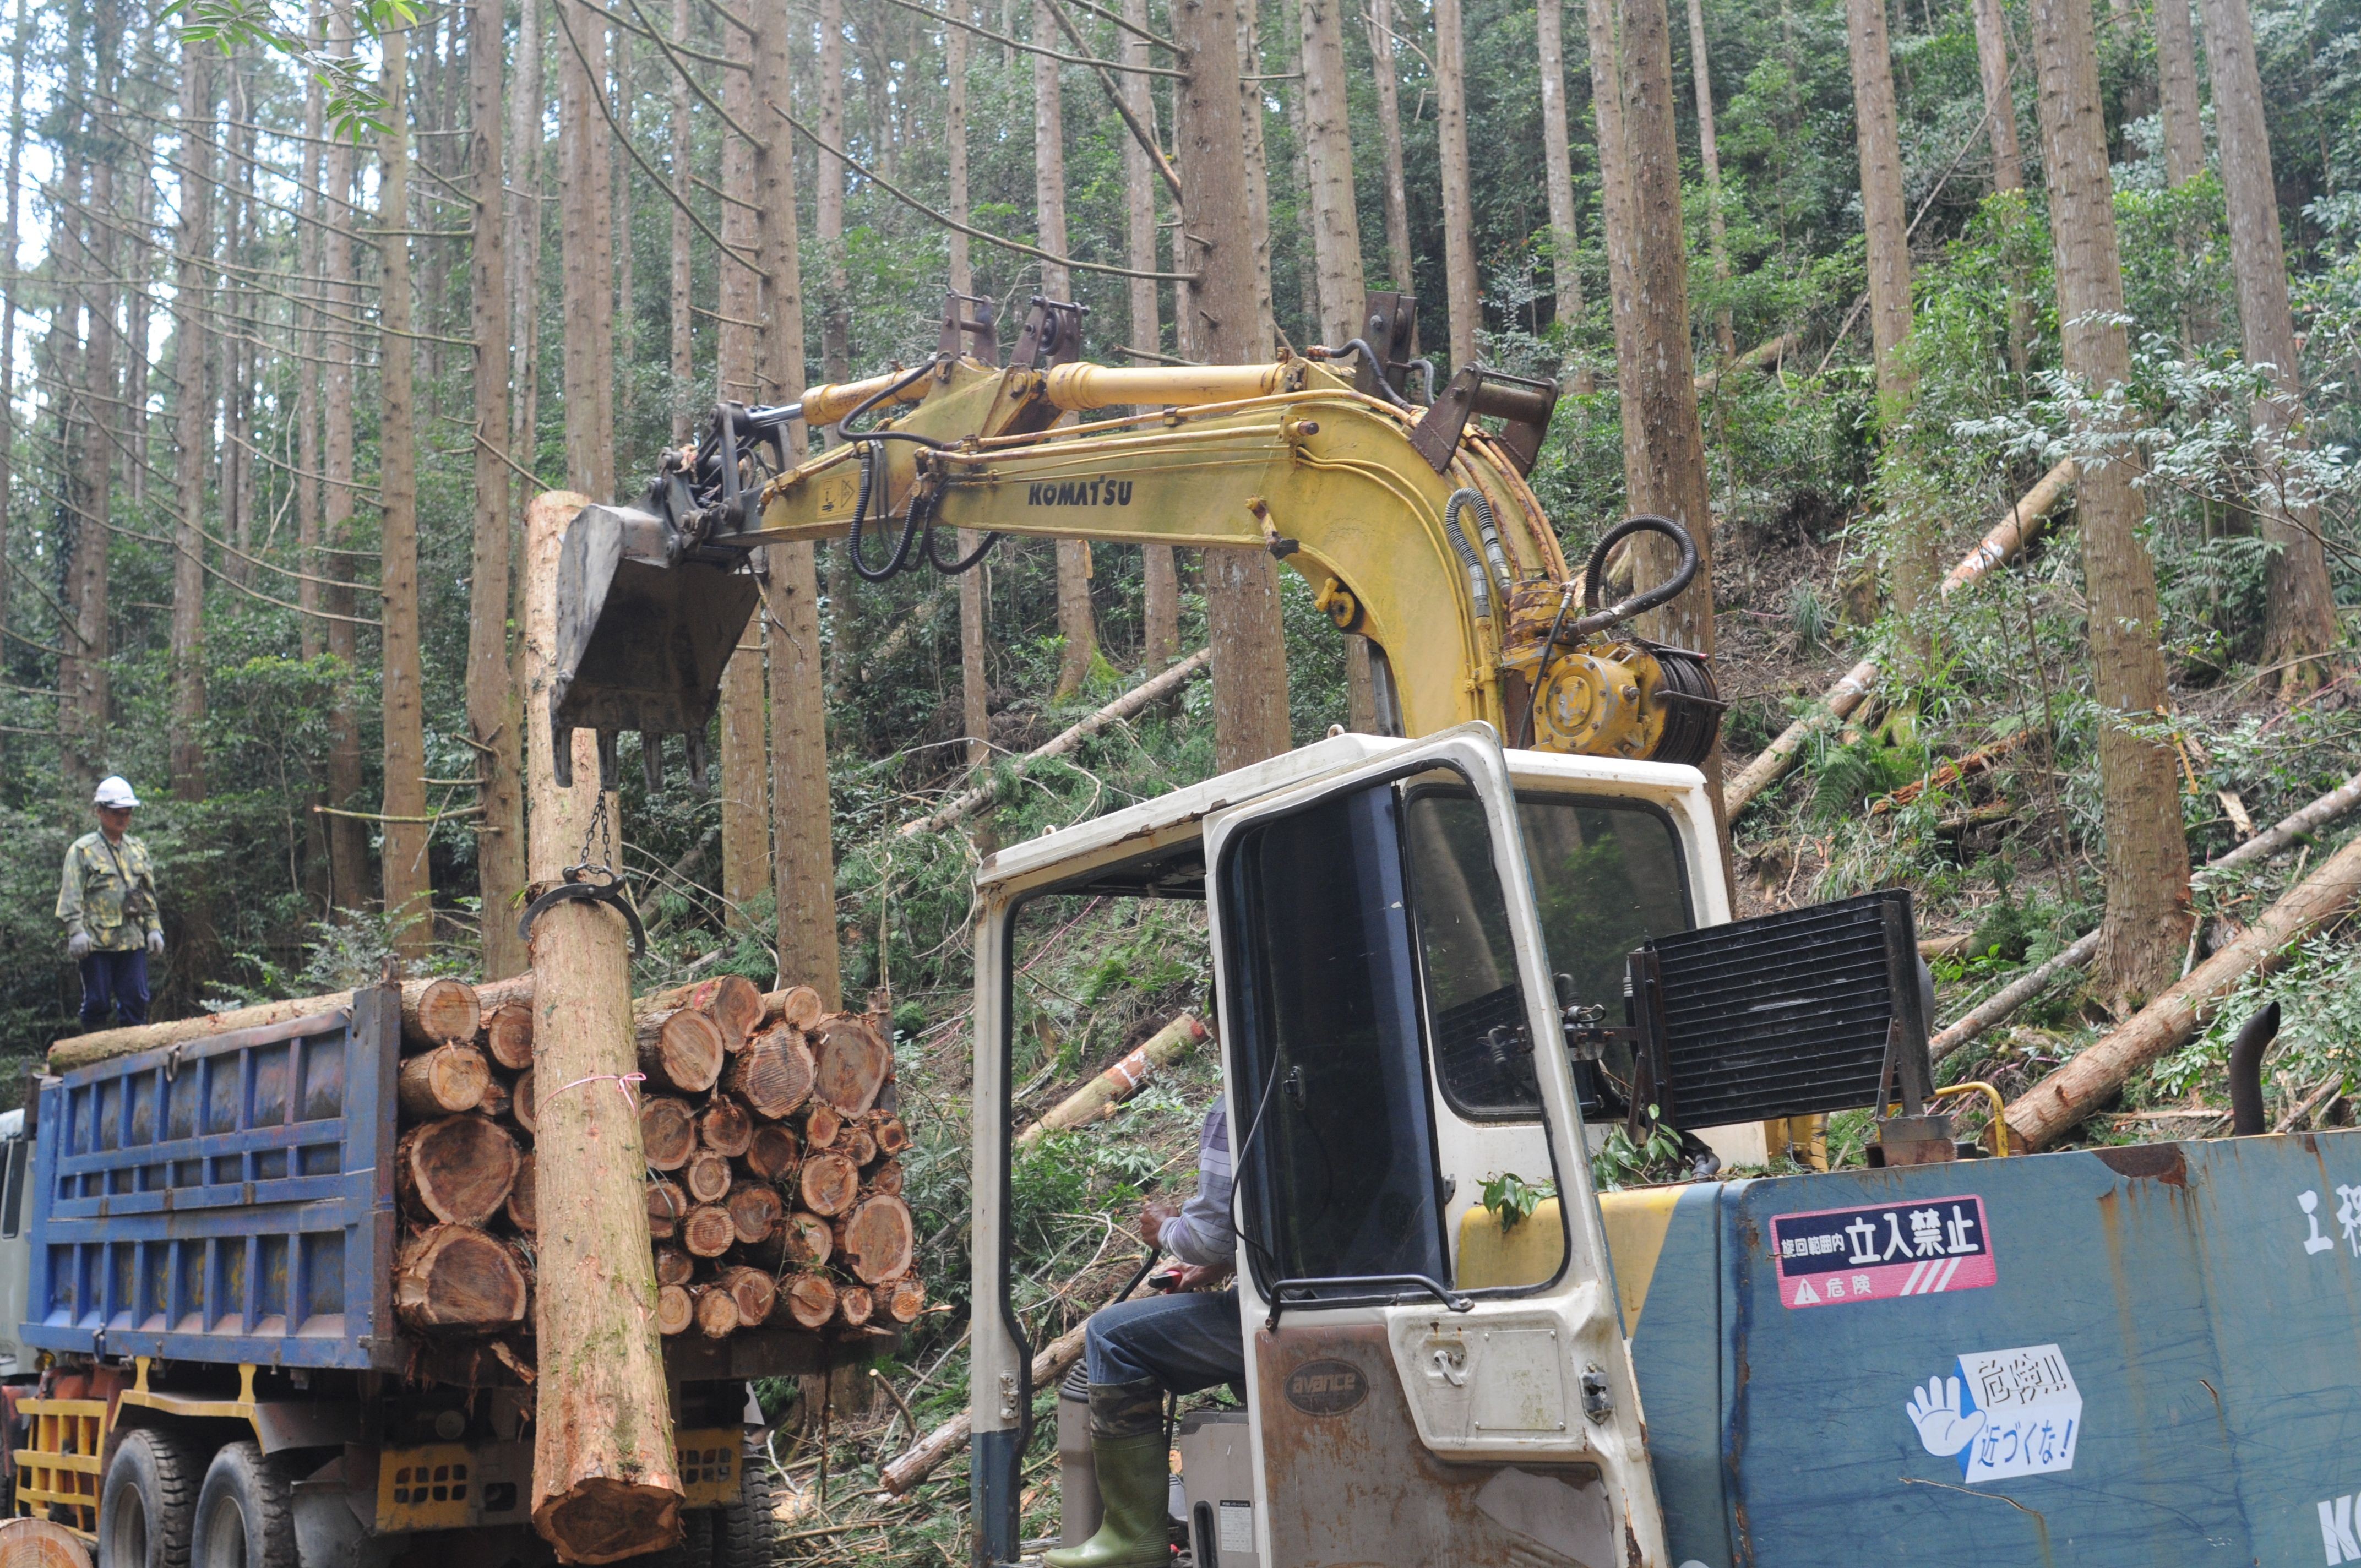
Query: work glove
x=77 y=944
x=155 y=944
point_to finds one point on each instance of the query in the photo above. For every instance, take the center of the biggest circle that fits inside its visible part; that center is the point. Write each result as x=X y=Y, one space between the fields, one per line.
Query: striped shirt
x=1200 y=1232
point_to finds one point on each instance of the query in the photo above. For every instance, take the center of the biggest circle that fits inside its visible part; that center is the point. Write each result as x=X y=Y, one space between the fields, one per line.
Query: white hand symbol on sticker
x=1934 y=1412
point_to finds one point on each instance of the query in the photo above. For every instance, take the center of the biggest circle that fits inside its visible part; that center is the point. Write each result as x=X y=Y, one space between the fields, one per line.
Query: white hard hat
x=112 y=790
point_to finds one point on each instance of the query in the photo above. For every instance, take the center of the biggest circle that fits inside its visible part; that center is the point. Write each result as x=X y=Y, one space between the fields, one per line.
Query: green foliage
x=1512 y=1199
x=1622 y=1161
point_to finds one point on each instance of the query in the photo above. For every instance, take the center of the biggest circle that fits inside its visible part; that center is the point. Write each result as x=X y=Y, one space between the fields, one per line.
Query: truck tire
x=245 y=1514
x=745 y=1533
x=148 y=1502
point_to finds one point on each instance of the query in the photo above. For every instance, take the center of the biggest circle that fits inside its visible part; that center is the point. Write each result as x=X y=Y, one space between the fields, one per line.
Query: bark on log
x=850 y=1063
x=807 y=1239
x=772 y=1152
x=667 y=1131
x=1153 y=690
x=829 y=1183
x=906 y=1300
x=774 y=1073
x=507 y=1034
x=441 y=1083
x=106 y=1045
x=437 y=1012
x=2005 y=538
x=453 y=1278
x=673 y=1266
x=725 y=1127
x=708 y=1231
x=521 y=1105
x=755 y=1210
x=756 y=1293
x=822 y=1128
x=668 y=1206
x=856 y=1306
x=523 y=1196
x=2262 y=846
x=681 y=1050
x=458 y=1169
x=948 y=1438
x=811 y=1299
x=706 y=1176
x=799 y=1006
x=1096 y=1100
x=878 y=1239
x=2061 y=1101
x=675 y=1310
x=716 y=1311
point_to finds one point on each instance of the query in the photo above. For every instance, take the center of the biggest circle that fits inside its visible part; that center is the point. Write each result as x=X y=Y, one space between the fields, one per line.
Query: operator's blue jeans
x=113 y=983
x=1184 y=1341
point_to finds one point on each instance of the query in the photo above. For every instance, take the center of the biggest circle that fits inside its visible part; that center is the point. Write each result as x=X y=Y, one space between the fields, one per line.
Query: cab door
x=1433 y=1380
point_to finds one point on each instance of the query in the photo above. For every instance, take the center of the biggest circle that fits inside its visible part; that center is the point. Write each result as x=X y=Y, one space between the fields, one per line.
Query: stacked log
x=771 y=1143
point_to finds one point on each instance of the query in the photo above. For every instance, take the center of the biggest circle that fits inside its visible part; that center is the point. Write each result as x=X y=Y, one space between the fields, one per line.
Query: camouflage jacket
x=110 y=891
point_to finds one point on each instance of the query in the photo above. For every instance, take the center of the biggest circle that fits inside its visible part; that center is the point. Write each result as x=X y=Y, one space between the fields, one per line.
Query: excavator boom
x=1414 y=526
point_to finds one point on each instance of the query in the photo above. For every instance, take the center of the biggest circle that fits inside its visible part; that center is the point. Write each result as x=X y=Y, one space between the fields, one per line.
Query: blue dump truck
x=208 y=1345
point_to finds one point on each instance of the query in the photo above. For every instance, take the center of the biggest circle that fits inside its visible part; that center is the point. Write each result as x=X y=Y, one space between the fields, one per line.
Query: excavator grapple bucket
x=641 y=637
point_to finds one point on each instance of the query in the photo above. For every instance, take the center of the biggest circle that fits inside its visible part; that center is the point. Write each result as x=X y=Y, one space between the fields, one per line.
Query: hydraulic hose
x=1594 y=573
x=2247 y=1119
x=1489 y=531
x=1479 y=585
x=1361 y=347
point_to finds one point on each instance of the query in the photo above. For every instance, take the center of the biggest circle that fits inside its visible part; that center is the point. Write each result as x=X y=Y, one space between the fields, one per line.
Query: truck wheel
x=148 y=1503
x=745 y=1533
x=246 y=1516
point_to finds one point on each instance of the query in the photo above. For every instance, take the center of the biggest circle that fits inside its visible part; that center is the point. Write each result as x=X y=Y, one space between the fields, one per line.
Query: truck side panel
x=2145 y=1355
x=229 y=1202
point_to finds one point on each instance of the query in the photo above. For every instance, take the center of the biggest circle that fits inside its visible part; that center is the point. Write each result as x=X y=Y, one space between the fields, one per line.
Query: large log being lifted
x=604 y=1479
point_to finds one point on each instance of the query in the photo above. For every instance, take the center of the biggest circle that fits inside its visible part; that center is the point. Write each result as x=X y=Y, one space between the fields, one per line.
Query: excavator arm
x=1413 y=526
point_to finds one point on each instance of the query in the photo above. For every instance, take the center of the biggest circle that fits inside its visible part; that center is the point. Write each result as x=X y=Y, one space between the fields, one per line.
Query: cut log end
x=706 y=1176
x=726 y=1127
x=603 y=1519
x=667 y=1206
x=856 y=1306
x=822 y=1127
x=906 y=1300
x=676 y=1309
x=879 y=1239
x=829 y=1184
x=756 y=1293
x=806 y=1239
x=772 y=1152
x=521 y=1197
x=521 y=1103
x=673 y=1266
x=891 y=1135
x=459 y=1278
x=706 y=1231
x=798 y=1005
x=716 y=1311
x=682 y=1049
x=852 y=1063
x=811 y=1300
x=437 y=1012
x=507 y=1034
x=441 y=1083
x=755 y=1209
x=458 y=1169
x=667 y=1131
x=774 y=1073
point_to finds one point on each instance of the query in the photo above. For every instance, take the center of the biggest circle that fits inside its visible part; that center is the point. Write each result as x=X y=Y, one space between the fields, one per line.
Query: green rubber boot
x=1135 y=1473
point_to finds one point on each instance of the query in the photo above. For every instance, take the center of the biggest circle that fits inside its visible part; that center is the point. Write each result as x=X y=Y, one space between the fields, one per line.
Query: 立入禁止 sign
x=1831 y=1256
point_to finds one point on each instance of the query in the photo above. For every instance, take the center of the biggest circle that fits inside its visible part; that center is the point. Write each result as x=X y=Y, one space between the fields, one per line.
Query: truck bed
x=232 y=1200
x=2145 y=1355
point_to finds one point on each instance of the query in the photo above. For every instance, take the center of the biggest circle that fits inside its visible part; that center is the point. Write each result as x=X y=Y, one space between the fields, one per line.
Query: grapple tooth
x=610 y=770
x=561 y=749
x=696 y=744
x=651 y=760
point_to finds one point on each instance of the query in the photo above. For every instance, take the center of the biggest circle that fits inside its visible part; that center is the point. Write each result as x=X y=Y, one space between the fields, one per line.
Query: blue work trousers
x=1185 y=1342
x=113 y=983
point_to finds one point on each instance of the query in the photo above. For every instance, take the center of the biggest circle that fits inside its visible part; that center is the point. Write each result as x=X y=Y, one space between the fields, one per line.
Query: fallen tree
x=1099 y=1096
x=969 y=802
x=2005 y=538
x=2038 y=978
x=922 y=1457
x=2059 y=1101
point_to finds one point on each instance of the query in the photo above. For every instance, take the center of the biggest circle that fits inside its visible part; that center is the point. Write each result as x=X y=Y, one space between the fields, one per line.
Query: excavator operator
x=1138 y=1351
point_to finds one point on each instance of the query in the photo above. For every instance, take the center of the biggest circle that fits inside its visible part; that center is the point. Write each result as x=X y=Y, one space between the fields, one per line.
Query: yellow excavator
x=1444 y=960
x=1413 y=524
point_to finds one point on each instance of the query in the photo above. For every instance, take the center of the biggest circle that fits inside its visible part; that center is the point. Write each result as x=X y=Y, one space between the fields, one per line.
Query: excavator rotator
x=654 y=597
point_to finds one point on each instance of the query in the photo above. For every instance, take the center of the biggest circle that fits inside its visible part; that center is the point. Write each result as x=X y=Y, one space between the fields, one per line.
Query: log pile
x=771 y=1144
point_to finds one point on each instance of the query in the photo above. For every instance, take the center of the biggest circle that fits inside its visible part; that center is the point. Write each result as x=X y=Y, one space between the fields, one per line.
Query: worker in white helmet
x=107 y=902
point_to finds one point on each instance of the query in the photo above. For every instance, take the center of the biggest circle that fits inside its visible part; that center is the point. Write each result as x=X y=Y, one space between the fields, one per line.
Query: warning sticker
x=1831 y=1256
